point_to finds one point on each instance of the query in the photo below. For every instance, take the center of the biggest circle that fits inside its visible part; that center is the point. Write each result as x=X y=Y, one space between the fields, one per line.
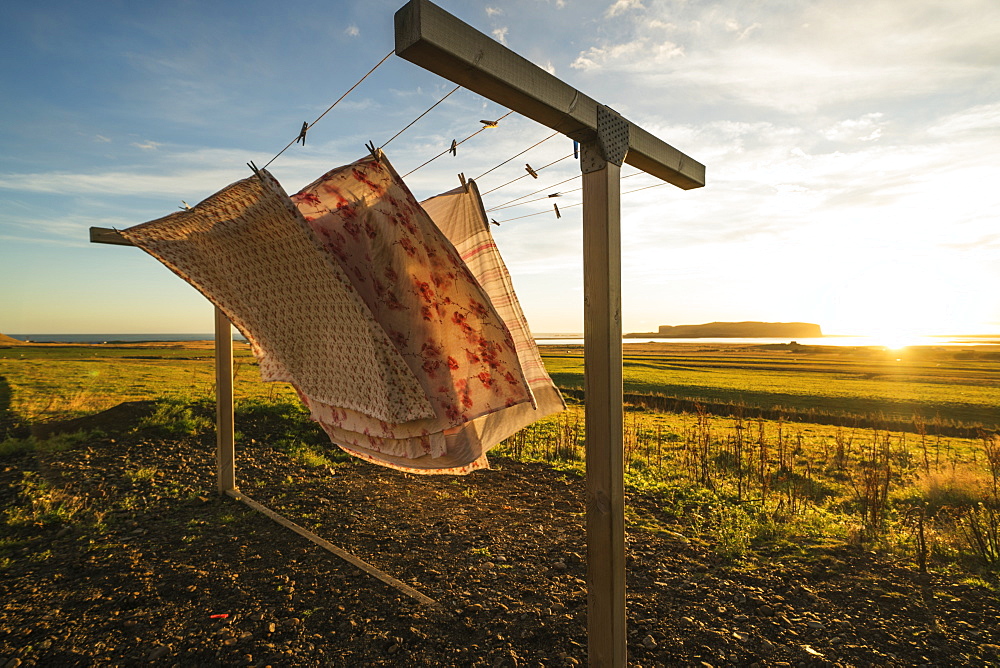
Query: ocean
x=116 y=338
x=559 y=340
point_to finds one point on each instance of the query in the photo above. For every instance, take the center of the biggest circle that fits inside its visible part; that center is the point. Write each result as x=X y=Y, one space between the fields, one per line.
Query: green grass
x=744 y=486
x=757 y=486
x=52 y=381
x=935 y=384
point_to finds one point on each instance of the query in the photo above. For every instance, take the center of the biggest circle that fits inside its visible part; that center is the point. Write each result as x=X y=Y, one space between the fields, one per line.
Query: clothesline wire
x=570 y=206
x=511 y=205
x=517 y=199
x=419 y=117
x=457 y=144
x=503 y=185
x=515 y=156
x=301 y=135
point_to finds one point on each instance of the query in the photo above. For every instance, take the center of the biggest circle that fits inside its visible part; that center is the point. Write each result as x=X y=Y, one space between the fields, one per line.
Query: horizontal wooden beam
x=437 y=41
x=105 y=235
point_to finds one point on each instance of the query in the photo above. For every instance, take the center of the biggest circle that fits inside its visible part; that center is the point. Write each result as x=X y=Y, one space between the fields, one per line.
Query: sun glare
x=896 y=340
x=902 y=303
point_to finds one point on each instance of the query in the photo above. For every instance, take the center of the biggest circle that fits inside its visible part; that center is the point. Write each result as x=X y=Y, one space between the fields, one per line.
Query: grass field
x=952 y=386
x=742 y=484
x=57 y=381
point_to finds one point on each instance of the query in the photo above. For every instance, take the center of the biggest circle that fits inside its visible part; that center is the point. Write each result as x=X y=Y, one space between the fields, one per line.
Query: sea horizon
x=546 y=338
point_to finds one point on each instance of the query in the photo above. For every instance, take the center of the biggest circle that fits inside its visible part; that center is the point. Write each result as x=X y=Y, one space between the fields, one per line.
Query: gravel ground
x=120 y=553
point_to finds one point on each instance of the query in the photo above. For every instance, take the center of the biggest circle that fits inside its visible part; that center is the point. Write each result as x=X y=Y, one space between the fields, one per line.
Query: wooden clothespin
x=555 y=195
x=302 y=134
x=528 y=169
x=254 y=169
x=186 y=207
x=490 y=124
x=454 y=147
x=465 y=184
x=376 y=152
x=556 y=207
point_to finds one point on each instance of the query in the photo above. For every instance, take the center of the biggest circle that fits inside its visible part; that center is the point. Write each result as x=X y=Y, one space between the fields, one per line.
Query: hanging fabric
x=442 y=322
x=249 y=251
x=355 y=297
x=418 y=289
x=460 y=215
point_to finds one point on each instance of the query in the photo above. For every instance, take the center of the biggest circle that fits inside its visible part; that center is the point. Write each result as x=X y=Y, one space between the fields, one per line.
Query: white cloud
x=352 y=31
x=622 y=55
x=493 y=11
x=742 y=31
x=549 y=67
x=147 y=145
x=622 y=6
x=500 y=35
x=665 y=25
x=101 y=139
x=180 y=184
x=865 y=128
x=806 y=56
x=982 y=118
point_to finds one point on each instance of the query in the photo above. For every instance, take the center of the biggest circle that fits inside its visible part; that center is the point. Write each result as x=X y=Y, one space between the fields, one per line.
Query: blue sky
x=851 y=150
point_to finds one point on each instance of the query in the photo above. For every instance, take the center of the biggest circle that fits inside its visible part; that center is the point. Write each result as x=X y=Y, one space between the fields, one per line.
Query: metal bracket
x=591 y=157
x=612 y=141
x=612 y=134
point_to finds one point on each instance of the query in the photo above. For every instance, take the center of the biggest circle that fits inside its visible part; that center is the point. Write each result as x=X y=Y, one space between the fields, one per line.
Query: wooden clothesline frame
x=430 y=37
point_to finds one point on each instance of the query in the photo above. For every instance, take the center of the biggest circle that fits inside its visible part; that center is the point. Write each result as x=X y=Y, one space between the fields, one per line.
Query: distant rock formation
x=736 y=330
x=9 y=341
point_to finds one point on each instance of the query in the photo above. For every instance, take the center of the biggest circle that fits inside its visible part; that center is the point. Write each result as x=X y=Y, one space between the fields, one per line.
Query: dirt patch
x=144 y=563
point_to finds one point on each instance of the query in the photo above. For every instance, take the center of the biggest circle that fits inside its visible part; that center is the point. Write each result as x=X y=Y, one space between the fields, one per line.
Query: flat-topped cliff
x=741 y=330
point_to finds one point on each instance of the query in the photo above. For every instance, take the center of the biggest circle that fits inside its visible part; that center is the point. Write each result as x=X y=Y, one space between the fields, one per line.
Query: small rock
x=765 y=611
x=13 y=663
x=815 y=625
x=739 y=635
x=649 y=642
x=559 y=565
x=157 y=652
x=812 y=651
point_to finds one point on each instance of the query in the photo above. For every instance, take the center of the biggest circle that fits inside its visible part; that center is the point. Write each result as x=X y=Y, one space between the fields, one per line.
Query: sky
x=852 y=150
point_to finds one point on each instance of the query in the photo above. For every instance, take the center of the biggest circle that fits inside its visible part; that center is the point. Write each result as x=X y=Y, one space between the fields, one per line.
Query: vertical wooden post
x=602 y=351
x=225 y=447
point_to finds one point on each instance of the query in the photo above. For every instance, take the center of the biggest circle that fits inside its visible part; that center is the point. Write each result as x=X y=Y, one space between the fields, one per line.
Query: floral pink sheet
x=431 y=307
